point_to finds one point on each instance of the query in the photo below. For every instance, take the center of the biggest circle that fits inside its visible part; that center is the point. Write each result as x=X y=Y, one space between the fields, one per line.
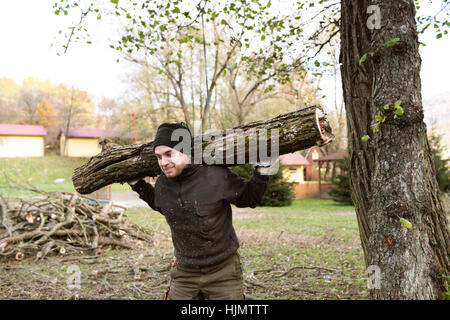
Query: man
x=196 y=202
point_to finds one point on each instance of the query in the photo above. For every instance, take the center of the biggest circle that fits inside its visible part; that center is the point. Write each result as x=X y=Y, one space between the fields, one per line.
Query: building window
x=315 y=155
x=3 y=142
x=292 y=169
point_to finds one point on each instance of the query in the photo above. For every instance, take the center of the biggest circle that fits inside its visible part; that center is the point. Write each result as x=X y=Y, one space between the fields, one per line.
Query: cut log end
x=19 y=256
x=324 y=129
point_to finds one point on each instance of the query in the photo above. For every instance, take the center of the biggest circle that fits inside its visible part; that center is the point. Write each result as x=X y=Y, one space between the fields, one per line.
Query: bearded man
x=196 y=201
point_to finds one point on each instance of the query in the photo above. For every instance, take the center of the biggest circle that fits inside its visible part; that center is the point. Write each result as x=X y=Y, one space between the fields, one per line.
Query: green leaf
x=365 y=138
x=387 y=107
x=399 y=111
x=391 y=43
x=405 y=223
x=378 y=118
x=363 y=58
x=375 y=127
x=115 y=1
x=398 y=102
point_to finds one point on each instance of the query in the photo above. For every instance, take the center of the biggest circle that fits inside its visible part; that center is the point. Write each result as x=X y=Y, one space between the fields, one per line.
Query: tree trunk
x=298 y=130
x=392 y=174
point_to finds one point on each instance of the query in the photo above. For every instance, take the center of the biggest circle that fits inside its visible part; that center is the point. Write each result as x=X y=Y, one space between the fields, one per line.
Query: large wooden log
x=296 y=130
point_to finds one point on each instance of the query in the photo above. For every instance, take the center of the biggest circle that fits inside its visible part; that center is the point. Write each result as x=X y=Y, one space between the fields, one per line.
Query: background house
x=326 y=177
x=81 y=142
x=330 y=161
x=294 y=167
x=22 y=140
x=302 y=168
x=312 y=155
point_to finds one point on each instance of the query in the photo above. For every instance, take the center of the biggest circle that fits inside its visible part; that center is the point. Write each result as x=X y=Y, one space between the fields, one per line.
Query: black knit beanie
x=164 y=135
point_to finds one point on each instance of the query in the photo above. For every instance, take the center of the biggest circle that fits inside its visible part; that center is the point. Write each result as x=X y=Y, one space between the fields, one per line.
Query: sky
x=28 y=28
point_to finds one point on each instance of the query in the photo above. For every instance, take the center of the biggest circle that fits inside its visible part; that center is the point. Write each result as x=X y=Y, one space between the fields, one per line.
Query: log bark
x=297 y=130
x=392 y=173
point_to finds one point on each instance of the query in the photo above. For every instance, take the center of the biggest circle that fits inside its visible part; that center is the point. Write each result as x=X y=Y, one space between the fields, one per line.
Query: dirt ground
x=143 y=273
x=129 y=199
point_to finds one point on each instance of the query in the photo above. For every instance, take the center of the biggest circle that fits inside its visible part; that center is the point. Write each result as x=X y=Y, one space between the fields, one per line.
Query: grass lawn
x=41 y=172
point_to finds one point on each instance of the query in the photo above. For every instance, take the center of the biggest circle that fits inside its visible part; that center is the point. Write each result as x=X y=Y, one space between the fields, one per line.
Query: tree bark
x=297 y=130
x=392 y=174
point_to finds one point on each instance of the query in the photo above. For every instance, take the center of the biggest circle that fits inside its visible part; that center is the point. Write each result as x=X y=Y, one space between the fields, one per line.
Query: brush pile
x=64 y=223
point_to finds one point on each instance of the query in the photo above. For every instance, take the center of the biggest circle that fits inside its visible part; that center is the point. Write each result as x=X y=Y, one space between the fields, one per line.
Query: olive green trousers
x=222 y=281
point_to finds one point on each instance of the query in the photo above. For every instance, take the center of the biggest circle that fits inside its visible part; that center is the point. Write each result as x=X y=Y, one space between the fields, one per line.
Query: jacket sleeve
x=245 y=193
x=146 y=192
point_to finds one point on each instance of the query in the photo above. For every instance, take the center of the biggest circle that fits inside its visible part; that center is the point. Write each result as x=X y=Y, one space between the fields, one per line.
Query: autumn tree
x=46 y=113
x=30 y=95
x=38 y=101
x=9 y=93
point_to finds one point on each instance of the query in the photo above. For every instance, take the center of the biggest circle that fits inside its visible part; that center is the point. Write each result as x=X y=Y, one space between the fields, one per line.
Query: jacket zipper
x=180 y=200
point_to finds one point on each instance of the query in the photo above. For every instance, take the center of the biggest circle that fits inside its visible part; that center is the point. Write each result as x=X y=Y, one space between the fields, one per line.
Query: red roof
x=293 y=159
x=22 y=130
x=84 y=133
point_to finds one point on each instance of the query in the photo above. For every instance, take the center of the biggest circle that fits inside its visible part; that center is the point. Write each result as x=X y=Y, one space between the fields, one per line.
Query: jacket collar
x=188 y=171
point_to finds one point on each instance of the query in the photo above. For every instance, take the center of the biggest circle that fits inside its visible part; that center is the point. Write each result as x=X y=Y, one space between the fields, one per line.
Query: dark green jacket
x=196 y=205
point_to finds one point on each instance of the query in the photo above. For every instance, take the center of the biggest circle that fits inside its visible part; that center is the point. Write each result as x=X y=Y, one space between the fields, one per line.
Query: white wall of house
x=21 y=146
x=80 y=147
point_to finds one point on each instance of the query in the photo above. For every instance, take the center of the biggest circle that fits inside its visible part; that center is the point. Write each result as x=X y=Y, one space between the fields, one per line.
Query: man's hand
x=266 y=168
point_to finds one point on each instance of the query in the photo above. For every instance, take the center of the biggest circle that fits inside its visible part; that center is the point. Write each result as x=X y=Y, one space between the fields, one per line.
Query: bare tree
x=28 y=100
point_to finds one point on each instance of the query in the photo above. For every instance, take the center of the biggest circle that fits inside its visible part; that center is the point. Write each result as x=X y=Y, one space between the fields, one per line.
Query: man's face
x=171 y=161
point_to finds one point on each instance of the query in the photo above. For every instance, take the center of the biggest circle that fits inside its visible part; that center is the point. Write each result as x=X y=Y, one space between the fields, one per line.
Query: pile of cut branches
x=64 y=223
